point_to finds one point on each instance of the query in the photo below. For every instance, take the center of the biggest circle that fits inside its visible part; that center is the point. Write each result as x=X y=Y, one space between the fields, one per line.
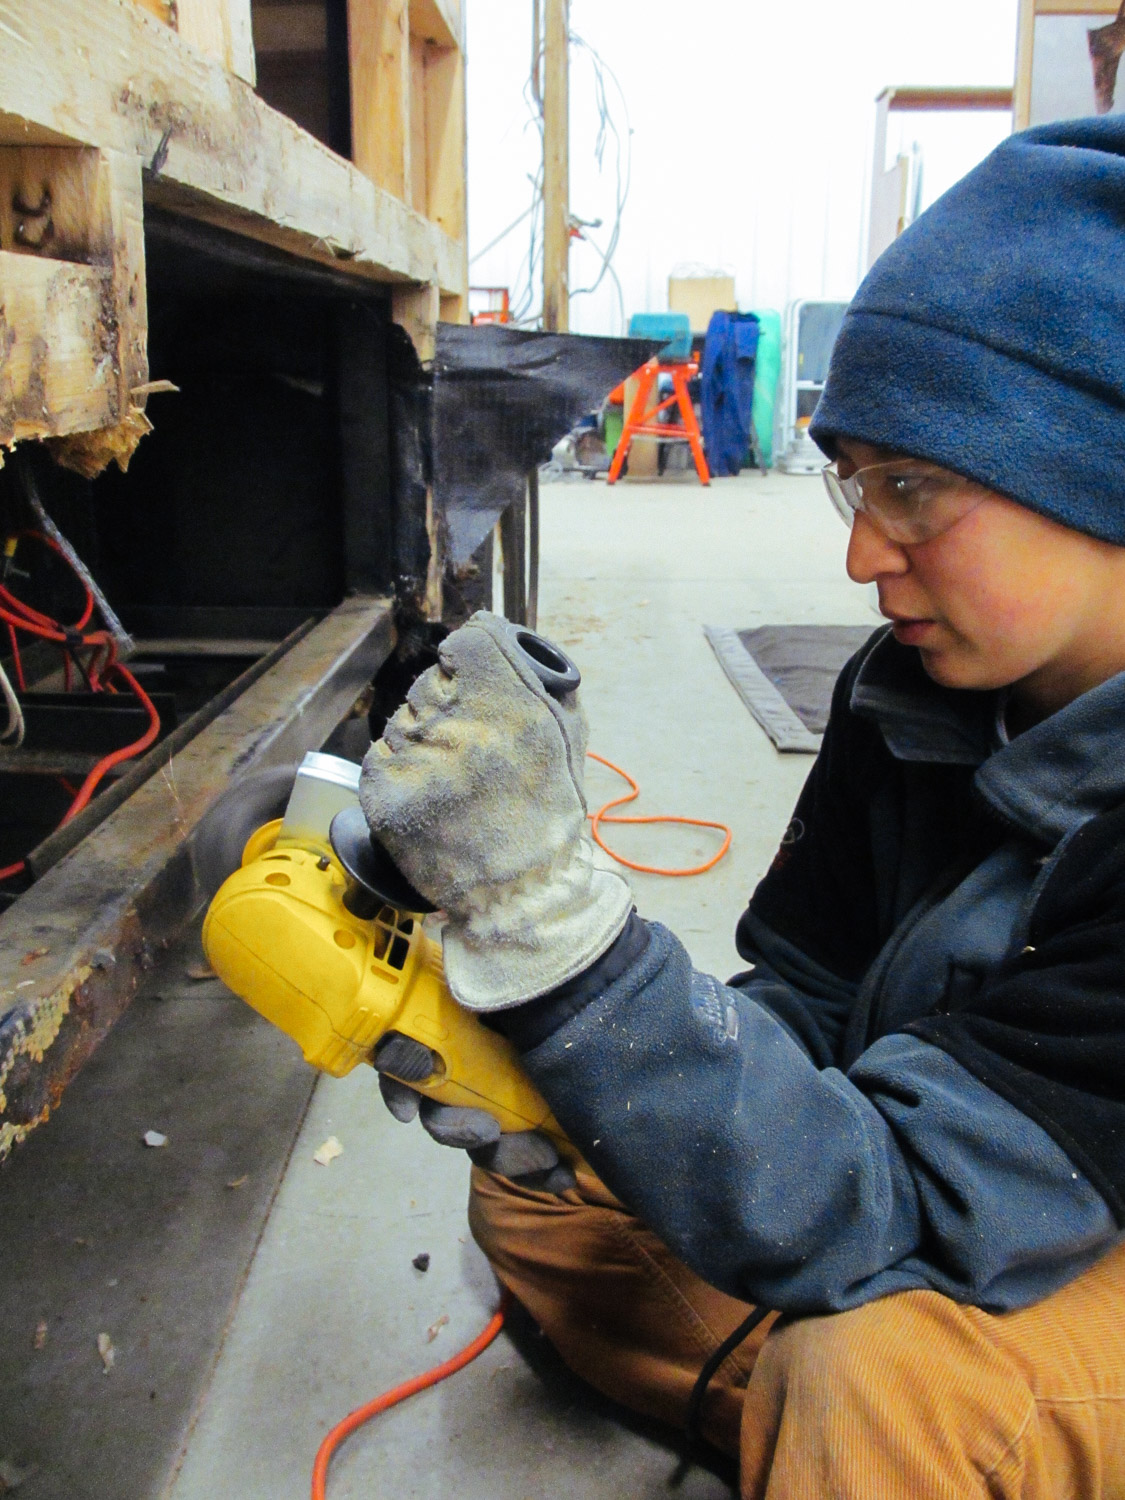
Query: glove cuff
x=530 y=943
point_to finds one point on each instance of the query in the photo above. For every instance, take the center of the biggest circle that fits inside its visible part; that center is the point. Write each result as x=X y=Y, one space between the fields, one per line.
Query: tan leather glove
x=476 y=792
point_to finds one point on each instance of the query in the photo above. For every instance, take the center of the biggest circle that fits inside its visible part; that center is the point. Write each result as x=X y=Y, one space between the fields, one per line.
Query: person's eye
x=910 y=489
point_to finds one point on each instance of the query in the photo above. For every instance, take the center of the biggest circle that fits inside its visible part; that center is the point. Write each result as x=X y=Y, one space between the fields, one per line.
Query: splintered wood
x=73 y=326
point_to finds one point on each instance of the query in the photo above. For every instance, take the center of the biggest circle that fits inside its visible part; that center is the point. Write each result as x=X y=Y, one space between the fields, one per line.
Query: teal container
x=767 y=370
x=673 y=326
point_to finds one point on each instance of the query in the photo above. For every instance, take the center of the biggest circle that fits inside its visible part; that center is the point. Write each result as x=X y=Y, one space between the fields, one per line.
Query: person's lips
x=911 y=632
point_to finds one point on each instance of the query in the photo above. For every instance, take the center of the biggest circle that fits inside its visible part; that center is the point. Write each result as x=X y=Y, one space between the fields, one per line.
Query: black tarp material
x=503 y=397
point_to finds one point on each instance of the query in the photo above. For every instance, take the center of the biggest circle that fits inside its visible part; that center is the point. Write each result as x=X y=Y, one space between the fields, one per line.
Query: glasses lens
x=841 y=504
x=911 y=502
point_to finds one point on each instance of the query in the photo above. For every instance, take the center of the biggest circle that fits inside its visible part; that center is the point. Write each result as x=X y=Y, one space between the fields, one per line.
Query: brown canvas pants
x=912 y=1397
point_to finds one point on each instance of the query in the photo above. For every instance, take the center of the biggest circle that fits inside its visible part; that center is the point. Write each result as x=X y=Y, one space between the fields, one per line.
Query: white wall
x=752 y=135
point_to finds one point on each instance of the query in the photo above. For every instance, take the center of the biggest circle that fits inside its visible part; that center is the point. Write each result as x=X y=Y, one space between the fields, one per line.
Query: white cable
x=606 y=124
x=16 y=723
x=530 y=209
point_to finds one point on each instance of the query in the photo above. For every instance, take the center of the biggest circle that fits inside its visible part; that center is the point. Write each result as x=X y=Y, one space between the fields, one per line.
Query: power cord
x=401 y=1392
x=603 y=816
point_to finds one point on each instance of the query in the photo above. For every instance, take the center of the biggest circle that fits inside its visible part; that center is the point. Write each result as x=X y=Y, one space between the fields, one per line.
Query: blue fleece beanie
x=990 y=337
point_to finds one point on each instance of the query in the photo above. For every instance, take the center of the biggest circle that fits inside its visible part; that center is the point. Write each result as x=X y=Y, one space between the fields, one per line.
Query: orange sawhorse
x=641 y=420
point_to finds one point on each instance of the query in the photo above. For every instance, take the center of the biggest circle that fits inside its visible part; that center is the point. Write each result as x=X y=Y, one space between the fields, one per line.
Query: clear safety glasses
x=908 y=501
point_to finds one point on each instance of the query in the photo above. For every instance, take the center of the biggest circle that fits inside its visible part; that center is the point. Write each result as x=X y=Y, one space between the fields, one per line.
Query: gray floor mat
x=785 y=674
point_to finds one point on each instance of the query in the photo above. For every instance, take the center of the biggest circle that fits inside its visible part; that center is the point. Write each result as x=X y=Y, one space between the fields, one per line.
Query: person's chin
x=950 y=668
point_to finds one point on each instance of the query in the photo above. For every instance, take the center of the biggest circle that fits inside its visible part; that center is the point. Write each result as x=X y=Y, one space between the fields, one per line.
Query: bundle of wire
x=88 y=652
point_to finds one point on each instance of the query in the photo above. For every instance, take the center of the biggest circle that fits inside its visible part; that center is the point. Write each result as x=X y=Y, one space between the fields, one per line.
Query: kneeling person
x=903 y=1130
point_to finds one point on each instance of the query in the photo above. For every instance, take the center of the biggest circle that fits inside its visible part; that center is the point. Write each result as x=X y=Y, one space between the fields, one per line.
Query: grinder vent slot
x=391 y=942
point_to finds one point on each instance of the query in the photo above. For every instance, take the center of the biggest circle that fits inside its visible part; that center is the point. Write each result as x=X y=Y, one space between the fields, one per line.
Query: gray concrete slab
x=333 y=1311
x=100 y=1234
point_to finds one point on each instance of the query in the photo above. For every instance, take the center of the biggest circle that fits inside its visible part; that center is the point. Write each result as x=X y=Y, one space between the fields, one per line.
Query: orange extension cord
x=401 y=1392
x=409 y=1388
x=602 y=816
x=100 y=672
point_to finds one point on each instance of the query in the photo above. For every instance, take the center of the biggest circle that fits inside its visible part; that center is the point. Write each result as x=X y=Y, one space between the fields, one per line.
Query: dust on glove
x=476 y=792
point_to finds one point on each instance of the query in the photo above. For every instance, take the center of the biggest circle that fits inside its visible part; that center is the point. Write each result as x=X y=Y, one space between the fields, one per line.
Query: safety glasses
x=907 y=500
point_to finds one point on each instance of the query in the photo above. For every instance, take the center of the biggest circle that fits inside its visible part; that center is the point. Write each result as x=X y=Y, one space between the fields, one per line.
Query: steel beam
x=72 y=947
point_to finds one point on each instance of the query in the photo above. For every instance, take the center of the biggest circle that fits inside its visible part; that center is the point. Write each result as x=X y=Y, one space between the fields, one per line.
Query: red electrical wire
x=401 y=1392
x=98 y=674
x=17 y=660
x=115 y=757
x=603 y=816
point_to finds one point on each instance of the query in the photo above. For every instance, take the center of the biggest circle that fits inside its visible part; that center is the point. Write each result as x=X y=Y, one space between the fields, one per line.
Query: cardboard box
x=700 y=296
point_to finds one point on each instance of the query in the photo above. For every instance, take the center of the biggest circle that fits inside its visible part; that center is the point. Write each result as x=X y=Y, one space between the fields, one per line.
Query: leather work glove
x=525 y=1156
x=476 y=792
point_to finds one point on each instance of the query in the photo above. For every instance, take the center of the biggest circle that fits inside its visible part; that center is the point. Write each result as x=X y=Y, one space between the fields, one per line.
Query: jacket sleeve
x=801 y=1186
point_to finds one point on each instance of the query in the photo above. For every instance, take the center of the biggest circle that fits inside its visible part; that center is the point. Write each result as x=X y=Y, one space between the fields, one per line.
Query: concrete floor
x=332 y=1311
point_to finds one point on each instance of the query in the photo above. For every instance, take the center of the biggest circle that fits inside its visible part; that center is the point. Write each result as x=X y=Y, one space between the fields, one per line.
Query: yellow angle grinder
x=321 y=933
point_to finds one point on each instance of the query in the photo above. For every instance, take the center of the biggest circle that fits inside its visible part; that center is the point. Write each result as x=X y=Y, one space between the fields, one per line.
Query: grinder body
x=279 y=934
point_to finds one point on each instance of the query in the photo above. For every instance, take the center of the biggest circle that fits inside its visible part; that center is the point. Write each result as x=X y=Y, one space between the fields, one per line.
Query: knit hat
x=990 y=337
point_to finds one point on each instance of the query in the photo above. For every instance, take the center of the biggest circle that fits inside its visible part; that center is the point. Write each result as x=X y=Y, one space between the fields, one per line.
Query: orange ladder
x=642 y=421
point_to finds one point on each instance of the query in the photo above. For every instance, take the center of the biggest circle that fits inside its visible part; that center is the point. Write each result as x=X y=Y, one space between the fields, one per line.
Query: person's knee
x=883 y=1349
x=905 y=1372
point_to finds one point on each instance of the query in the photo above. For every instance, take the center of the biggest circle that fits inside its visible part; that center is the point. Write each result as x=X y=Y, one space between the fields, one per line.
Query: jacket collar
x=1047 y=781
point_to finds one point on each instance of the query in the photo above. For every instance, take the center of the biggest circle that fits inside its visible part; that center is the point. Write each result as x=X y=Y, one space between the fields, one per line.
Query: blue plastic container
x=673 y=326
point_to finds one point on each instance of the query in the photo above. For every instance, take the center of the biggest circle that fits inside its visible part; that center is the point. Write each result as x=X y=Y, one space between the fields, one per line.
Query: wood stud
x=157 y=89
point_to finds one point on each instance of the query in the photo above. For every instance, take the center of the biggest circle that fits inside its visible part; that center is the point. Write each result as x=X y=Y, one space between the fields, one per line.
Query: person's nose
x=872 y=555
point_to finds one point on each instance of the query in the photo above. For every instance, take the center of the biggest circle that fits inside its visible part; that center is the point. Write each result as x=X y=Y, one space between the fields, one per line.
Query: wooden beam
x=1077 y=7
x=453 y=309
x=556 y=167
x=419 y=181
x=933 y=99
x=54 y=378
x=416 y=309
x=203 y=24
x=163 y=10
x=240 y=41
x=1025 y=46
x=445 y=146
x=221 y=29
x=112 y=76
x=437 y=21
x=72 y=300
x=379 y=48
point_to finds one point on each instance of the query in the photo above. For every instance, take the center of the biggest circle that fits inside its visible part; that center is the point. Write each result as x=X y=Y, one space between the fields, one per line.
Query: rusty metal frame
x=73 y=947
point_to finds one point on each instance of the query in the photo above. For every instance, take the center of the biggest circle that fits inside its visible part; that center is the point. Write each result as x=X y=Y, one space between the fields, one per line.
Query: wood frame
x=146 y=101
x=890 y=186
x=1025 y=43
